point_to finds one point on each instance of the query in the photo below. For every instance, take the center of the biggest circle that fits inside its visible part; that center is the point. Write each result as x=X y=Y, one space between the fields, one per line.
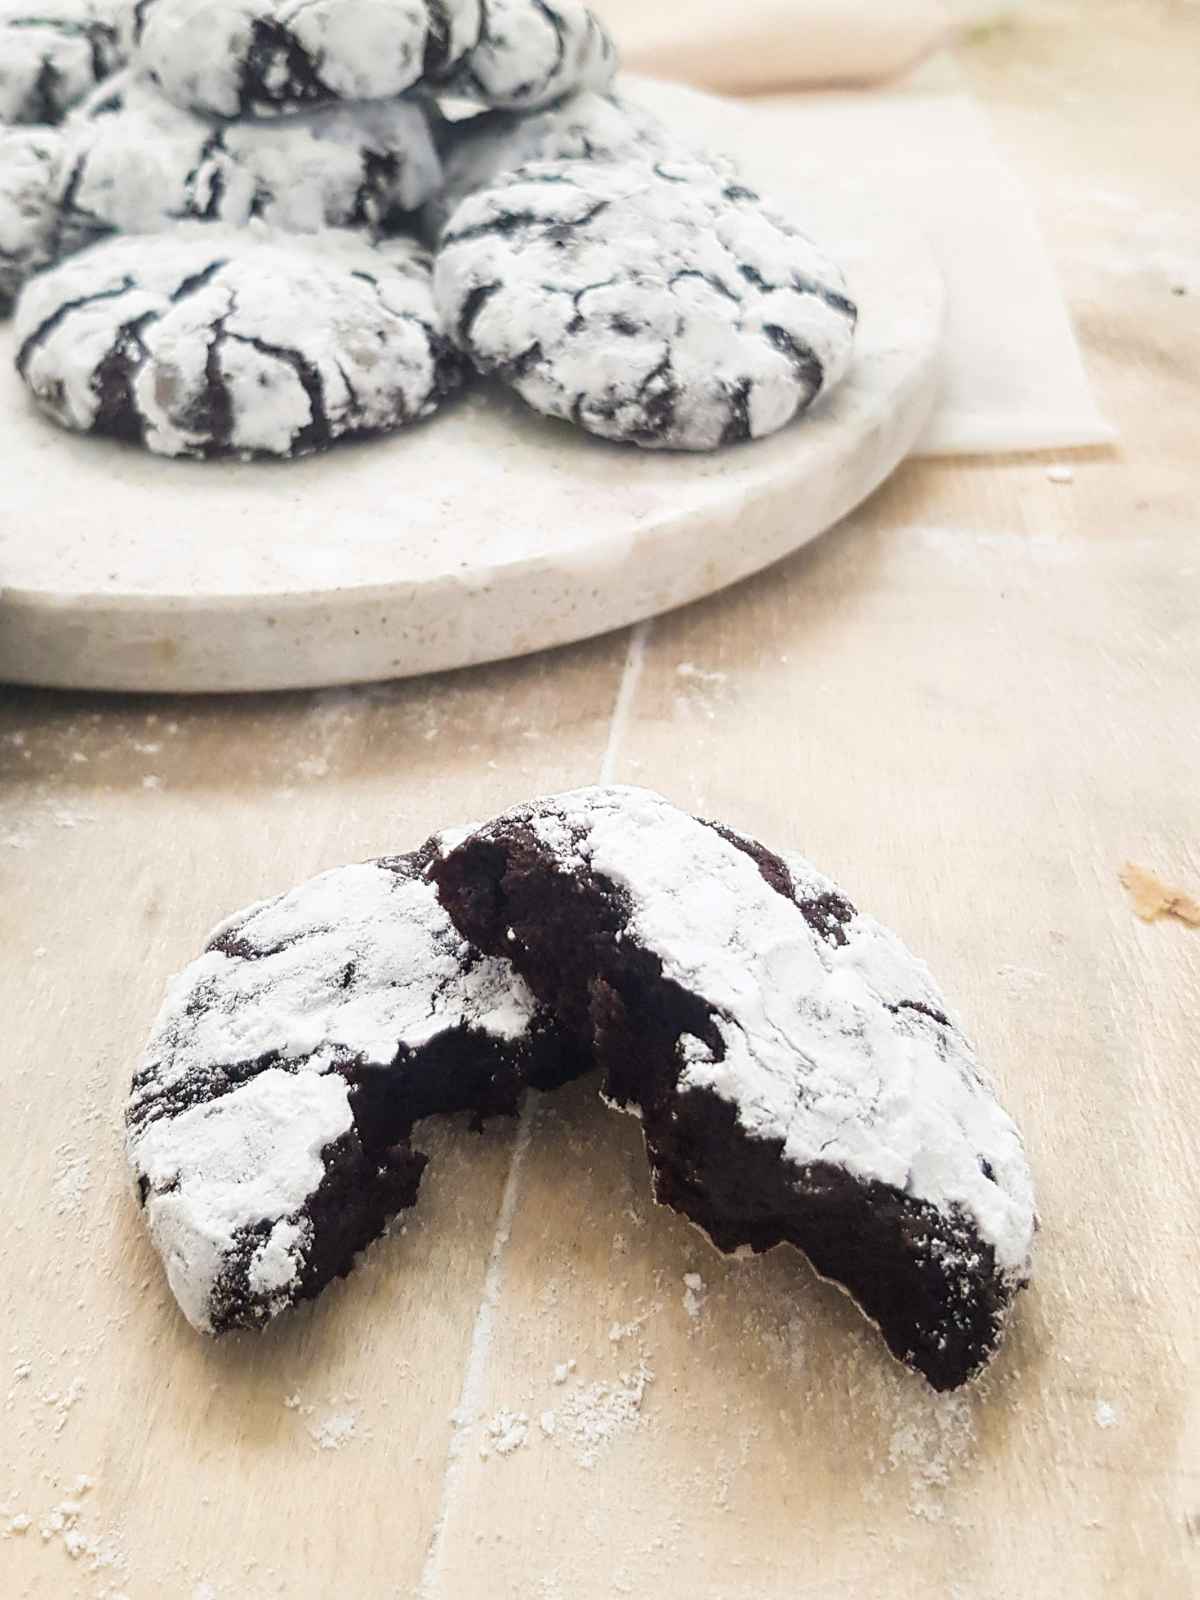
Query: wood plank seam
x=475 y=1371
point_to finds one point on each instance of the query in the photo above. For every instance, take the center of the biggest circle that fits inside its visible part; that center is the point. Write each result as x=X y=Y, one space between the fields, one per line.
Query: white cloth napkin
x=1013 y=375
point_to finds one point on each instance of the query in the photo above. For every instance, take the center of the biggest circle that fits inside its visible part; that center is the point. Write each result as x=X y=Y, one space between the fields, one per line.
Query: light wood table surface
x=971 y=703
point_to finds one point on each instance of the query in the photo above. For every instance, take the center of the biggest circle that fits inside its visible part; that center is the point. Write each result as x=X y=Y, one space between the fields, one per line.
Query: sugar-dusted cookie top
x=269 y=1121
x=658 y=304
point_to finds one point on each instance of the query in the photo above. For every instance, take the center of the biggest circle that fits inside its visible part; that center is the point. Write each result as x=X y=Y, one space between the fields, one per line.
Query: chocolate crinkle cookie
x=136 y=163
x=206 y=340
x=796 y=1072
x=53 y=53
x=269 y=1128
x=532 y=52
x=477 y=150
x=662 y=304
x=30 y=164
x=128 y=161
x=238 y=58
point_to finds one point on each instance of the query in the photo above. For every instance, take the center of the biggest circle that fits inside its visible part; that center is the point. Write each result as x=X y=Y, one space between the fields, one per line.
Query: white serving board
x=485 y=533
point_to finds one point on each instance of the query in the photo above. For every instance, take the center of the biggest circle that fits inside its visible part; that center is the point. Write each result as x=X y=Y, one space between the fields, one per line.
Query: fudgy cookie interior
x=924 y=1277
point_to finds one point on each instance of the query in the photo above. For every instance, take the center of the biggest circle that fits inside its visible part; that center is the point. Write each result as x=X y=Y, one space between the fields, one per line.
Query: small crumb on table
x=1152 y=898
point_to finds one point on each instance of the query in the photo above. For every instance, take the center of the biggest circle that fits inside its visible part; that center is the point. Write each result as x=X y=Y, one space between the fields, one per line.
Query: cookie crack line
x=55 y=320
x=793 y=1067
x=310 y=381
x=58 y=61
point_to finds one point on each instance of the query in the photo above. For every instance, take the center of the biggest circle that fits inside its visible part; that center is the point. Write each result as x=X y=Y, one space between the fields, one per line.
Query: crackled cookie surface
x=582 y=127
x=30 y=163
x=532 y=52
x=268 y=1128
x=53 y=53
x=237 y=58
x=205 y=340
x=128 y=161
x=660 y=305
x=796 y=1073
x=136 y=163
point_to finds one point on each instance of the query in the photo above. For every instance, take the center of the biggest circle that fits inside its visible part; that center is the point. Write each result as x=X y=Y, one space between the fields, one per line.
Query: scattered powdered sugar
x=688 y=669
x=588 y=1416
x=97 y=1552
x=1106 y=1414
x=21 y=1523
x=62 y=1402
x=1021 y=980
x=64 y=817
x=505 y=1433
x=335 y=1430
x=703 y=692
x=592 y=1416
x=620 y=1331
x=693 y=1294
x=785 y=1342
x=932 y=1439
x=72 y=1181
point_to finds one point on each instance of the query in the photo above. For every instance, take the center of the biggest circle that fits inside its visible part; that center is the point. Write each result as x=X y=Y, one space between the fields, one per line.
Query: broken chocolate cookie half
x=796 y=1073
x=269 y=1128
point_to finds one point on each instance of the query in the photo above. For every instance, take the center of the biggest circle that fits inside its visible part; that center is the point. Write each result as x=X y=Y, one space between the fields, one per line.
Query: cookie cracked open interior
x=796 y=1073
x=793 y=1066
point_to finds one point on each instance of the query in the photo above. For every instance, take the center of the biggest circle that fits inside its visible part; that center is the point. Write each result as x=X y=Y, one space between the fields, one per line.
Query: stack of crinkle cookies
x=260 y=226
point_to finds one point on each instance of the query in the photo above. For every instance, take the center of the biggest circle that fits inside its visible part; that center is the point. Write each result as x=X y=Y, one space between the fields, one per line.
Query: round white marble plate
x=487 y=532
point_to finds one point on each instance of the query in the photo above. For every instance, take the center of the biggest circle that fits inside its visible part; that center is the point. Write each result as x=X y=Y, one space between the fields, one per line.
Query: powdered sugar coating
x=30 y=163
x=137 y=163
x=202 y=340
x=53 y=53
x=251 y=1158
x=532 y=52
x=583 y=127
x=271 y=983
x=245 y=1083
x=234 y=58
x=660 y=305
x=815 y=1057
